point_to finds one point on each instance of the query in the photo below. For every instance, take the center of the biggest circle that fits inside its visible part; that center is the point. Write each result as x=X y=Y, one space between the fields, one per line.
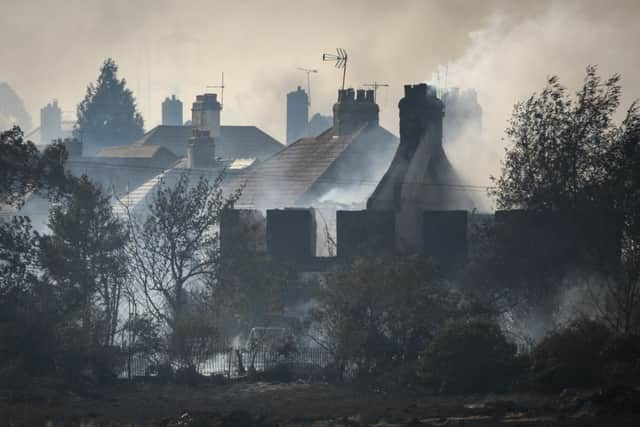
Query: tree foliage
x=60 y=292
x=469 y=357
x=84 y=255
x=24 y=170
x=559 y=146
x=174 y=250
x=569 y=157
x=376 y=315
x=107 y=115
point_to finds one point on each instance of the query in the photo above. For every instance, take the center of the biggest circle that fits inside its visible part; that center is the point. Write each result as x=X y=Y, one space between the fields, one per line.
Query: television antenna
x=341 y=61
x=221 y=87
x=375 y=86
x=308 y=71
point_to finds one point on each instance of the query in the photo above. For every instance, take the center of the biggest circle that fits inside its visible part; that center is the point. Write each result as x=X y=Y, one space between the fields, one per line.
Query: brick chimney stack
x=205 y=114
x=354 y=110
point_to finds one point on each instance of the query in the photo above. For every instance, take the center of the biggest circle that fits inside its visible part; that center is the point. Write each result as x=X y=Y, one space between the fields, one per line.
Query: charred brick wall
x=365 y=232
x=242 y=230
x=291 y=233
x=444 y=237
x=556 y=241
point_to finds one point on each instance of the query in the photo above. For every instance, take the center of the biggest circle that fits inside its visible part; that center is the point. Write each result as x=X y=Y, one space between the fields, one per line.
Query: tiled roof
x=245 y=141
x=140 y=196
x=234 y=141
x=174 y=138
x=308 y=167
x=133 y=151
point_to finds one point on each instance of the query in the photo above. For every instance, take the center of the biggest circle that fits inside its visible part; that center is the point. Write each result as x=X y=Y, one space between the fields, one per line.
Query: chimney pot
x=369 y=95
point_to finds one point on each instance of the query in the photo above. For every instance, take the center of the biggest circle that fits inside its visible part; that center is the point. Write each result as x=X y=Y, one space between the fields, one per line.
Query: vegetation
x=84 y=257
x=107 y=115
x=174 y=255
x=377 y=315
x=24 y=170
x=471 y=357
x=570 y=357
x=569 y=161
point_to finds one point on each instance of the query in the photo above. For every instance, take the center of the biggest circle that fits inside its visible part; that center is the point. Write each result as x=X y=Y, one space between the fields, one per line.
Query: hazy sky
x=505 y=49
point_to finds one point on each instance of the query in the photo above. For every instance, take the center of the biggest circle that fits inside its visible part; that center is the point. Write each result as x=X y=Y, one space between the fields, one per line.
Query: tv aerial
x=340 y=59
x=308 y=71
x=375 y=86
x=221 y=87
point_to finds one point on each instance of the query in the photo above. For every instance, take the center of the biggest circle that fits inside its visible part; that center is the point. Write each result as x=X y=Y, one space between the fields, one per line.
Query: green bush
x=570 y=357
x=469 y=357
x=622 y=360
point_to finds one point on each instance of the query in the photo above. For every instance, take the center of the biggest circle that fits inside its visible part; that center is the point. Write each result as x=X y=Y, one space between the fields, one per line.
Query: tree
x=469 y=357
x=28 y=306
x=174 y=250
x=377 y=314
x=559 y=146
x=85 y=257
x=108 y=115
x=570 y=357
x=570 y=158
x=24 y=170
x=253 y=286
x=622 y=301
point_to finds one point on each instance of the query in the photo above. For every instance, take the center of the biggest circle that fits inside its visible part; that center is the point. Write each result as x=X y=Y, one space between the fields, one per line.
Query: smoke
x=504 y=49
x=510 y=58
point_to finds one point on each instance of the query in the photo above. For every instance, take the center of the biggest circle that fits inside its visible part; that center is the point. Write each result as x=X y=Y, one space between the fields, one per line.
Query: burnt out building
x=444 y=237
x=291 y=234
x=420 y=177
x=365 y=232
x=242 y=231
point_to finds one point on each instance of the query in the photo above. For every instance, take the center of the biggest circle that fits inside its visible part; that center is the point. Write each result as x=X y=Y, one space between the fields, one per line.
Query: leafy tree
x=174 y=250
x=568 y=157
x=559 y=146
x=622 y=303
x=470 y=357
x=253 y=287
x=570 y=357
x=85 y=257
x=377 y=314
x=108 y=115
x=23 y=169
x=28 y=306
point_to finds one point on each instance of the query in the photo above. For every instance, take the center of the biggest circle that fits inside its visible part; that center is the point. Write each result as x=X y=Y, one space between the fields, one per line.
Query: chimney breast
x=201 y=150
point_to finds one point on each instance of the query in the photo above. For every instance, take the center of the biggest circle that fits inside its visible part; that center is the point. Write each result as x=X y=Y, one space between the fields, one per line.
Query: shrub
x=469 y=357
x=377 y=314
x=570 y=357
x=622 y=360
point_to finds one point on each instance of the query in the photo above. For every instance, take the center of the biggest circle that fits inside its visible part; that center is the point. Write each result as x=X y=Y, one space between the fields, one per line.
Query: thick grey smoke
x=508 y=59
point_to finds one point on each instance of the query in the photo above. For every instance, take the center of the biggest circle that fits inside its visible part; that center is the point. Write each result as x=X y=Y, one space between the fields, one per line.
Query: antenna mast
x=341 y=61
x=375 y=86
x=221 y=87
x=308 y=71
